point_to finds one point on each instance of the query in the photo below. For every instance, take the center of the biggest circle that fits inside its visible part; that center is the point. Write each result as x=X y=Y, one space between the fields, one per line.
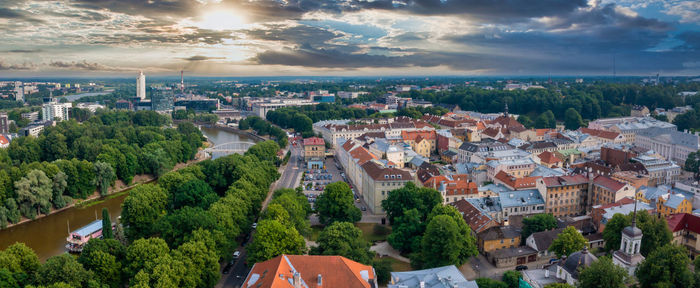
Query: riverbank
x=237 y=131
x=119 y=188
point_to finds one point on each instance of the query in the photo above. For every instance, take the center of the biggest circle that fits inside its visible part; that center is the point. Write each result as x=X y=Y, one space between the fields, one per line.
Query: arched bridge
x=230 y=147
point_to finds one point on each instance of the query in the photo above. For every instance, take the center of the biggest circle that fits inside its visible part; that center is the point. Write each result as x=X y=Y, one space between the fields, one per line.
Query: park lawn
x=374 y=232
x=396 y=265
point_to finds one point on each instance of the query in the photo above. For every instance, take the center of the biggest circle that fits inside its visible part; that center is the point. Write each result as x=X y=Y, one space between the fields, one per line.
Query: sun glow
x=221 y=20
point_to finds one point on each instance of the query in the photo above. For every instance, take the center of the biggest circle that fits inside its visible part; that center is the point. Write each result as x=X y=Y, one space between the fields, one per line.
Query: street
x=289 y=178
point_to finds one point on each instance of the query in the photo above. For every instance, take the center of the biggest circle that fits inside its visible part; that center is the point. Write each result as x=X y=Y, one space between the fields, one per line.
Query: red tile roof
x=548 y=157
x=314 y=141
x=681 y=221
x=459 y=185
x=418 y=135
x=516 y=183
x=607 y=182
x=335 y=271
x=477 y=220
x=362 y=155
x=3 y=140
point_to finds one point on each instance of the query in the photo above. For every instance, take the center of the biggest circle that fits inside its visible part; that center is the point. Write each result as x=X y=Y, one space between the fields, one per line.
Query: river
x=47 y=235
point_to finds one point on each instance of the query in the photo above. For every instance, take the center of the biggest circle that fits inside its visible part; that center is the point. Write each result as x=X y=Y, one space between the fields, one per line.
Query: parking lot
x=315 y=180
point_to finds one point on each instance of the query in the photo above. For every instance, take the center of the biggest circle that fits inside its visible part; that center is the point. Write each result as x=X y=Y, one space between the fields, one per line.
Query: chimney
x=297 y=280
x=320 y=281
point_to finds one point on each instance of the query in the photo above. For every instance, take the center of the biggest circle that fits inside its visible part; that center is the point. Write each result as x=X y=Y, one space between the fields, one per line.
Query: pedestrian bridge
x=230 y=147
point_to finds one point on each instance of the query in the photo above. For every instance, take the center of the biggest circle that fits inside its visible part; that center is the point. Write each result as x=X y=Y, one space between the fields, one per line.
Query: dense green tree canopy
x=567 y=242
x=603 y=273
x=538 y=223
x=667 y=266
x=337 y=203
x=272 y=239
x=344 y=239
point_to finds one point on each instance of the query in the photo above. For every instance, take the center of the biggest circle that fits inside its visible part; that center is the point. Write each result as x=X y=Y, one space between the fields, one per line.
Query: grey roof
x=578 y=259
x=673 y=201
x=671 y=137
x=86 y=230
x=484 y=146
x=632 y=231
x=486 y=204
x=544 y=171
x=520 y=198
x=544 y=239
x=499 y=232
x=441 y=277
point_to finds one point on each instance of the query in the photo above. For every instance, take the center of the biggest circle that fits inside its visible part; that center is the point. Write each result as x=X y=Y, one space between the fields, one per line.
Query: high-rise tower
x=141 y=86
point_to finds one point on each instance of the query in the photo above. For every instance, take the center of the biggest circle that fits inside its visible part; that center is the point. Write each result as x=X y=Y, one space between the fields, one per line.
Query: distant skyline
x=348 y=37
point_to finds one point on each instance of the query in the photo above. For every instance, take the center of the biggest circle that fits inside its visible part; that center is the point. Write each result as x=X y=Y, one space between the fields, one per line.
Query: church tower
x=628 y=256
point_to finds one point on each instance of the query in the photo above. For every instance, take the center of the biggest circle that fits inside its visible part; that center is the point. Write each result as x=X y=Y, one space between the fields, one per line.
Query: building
x=550 y=160
x=4 y=123
x=628 y=256
x=515 y=183
x=469 y=149
x=635 y=179
x=511 y=256
x=517 y=167
x=31 y=116
x=377 y=181
x=124 y=105
x=639 y=111
x=540 y=241
x=54 y=111
x=660 y=171
x=477 y=219
x=629 y=126
x=261 y=106
x=348 y=95
x=198 y=105
x=671 y=203
x=34 y=129
x=673 y=145
x=92 y=107
x=440 y=277
x=602 y=214
x=162 y=99
x=332 y=131
x=310 y=271
x=523 y=202
x=422 y=142
x=386 y=150
x=568 y=269
x=496 y=238
x=564 y=195
x=686 y=231
x=604 y=136
x=453 y=187
x=314 y=152
x=605 y=190
x=141 y=86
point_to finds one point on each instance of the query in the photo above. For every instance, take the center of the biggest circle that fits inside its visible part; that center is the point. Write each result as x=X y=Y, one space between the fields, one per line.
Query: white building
x=628 y=256
x=141 y=86
x=673 y=145
x=54 y=111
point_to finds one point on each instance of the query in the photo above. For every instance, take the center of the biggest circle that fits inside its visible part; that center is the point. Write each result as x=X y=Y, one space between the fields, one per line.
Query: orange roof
x=362 y=155
x=334 y=271
x=548 y=157
x=459 y=181
x=314 y=141
x=3 y=140
x=414 y=135
x=600 y=133
x=516 y=183
x=480 y=126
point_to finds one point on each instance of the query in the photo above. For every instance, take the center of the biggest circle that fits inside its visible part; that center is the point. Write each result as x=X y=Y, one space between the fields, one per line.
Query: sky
x=349 y=37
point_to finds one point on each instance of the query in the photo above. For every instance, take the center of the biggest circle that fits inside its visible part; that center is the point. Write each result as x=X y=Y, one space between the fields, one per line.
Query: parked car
x=236 y=254
x=255 y=225
x=520 y=268
x=364 y=208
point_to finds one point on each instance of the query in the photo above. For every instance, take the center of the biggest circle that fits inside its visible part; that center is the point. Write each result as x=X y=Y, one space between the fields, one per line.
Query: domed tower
x=628 y=256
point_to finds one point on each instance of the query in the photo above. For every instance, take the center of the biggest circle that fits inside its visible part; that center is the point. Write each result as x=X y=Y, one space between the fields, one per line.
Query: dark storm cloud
x=691 y=40
x=24 y=51
x=202 y=58
x=15 y=14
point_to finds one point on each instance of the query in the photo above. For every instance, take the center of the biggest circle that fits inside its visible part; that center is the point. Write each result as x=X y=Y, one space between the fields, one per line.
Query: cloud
x=24 y=66
x=202 y=58
x=24 y=51
x=84 y=65
x=15 y=14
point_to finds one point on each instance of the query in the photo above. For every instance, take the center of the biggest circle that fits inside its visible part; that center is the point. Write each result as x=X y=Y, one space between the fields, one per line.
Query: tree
x=143 y=253
x=141 y=209
x=272 y=239
x=512 y=278
x=692 y=164
x=382 y=267
x=193 y=193
x=490 y=283
x=20 y=260
x=603 y=273
x=34 y=193
x=443 y=244
x=59 y=186
x=567 y=242
x=344 y=239
x=666 y=267
x=613 y=231
x=336 y=203
x=407 y=232
x=104 y=176
x=538 y=223
x=572 y=119
x=408 y=197
x=526 y=121
x=297 y=207
x=106 y=225
x=176 y=226
x=202 y=263
x=546 y=120
x=63 y=268
x=157 y=162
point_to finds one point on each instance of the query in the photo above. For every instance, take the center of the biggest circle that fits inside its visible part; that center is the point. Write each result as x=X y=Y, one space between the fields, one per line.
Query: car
x=227 y=268
x=358 y=200
x=255 y=225
x=364 y=208
x=555 y=260
x=520 y=268
x=236 y=254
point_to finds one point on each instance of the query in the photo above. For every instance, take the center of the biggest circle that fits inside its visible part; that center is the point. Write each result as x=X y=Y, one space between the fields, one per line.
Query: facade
x=4 y=123
x=540 y=241
x=672 y=203
x=628 y=255
x=564 y=195
x=495 y=238
x=468 y=149
x=54 y=111
x=377 y=181
x=673 y=145
x=453 y=187
x=162 y=99
x=686 y=231
x=606 y=190
x=312 y=271
x=33 y=129
x=422 y=142
x=517 y=167
x=31 y=116
x=629 y=126
x=314 y=152
x=198 y=105
x=332 y=131
x=523 y=202
x=261 y=107
x=386 y=150
x=141 y=86
x=661 y=172
x=477 y=219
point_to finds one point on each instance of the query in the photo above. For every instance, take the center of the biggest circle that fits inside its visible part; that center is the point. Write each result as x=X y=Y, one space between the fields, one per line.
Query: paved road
x=291 y=174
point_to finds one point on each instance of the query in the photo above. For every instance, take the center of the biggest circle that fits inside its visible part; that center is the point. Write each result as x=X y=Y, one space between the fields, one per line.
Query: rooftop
x=334 y=271
x=441 y=277
x=520 y=198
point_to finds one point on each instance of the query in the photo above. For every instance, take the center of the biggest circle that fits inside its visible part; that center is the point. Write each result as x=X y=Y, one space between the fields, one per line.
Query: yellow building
x=422 y=142
x=499 y=237
x=668 y=204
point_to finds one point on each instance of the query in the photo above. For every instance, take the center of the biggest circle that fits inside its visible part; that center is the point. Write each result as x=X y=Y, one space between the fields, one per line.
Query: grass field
x=373 y=232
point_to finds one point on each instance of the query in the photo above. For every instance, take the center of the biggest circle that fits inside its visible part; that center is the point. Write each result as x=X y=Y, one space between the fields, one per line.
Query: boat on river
x=78 y=238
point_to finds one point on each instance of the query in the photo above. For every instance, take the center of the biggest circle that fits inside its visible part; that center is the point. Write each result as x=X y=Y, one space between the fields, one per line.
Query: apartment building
x=378 y=181
x=564 y=195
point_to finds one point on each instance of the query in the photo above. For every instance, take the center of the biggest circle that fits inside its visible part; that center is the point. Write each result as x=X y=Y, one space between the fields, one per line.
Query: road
x=290 y=177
